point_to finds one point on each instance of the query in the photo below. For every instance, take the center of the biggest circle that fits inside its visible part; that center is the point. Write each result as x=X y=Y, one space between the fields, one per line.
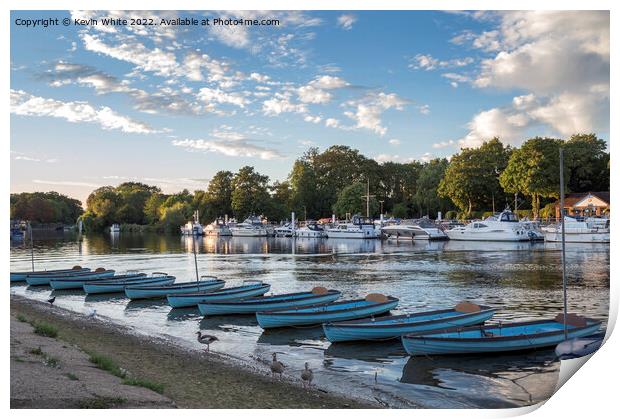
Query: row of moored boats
x=504 y=226
x=456 y=330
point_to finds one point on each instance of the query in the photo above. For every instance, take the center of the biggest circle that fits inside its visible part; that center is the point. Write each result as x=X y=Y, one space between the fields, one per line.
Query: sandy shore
x=189 y=379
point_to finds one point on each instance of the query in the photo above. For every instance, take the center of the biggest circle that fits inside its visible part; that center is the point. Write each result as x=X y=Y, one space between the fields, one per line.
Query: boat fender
x=376 y=298
x=571 y=320
x=467 y=307
x=76 y=268
x=319 y=291
x=100 y=270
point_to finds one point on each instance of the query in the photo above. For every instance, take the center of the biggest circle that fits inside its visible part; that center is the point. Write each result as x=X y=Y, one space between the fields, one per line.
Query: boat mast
x=194 y=247
x=563 y=240
x=31 y=246
x=367 y=196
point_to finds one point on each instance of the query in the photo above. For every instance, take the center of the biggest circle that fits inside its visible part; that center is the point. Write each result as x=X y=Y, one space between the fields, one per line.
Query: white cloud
x=332 y=123
x=424 y=109
x=346 y=21
x=65 y=183
x=310 y=94
x=394 y=141
x=314 y=119
x=281 y=103
x=428 y=62
x=229 y=143
x=444 y=144
x=25 y=104
x=209 y=95
x=369 y=110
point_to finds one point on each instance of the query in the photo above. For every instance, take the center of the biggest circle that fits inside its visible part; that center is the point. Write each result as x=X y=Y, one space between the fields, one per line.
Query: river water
x=523 y=280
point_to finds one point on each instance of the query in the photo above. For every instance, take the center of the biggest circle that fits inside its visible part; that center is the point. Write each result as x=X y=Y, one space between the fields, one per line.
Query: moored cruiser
x=500 y=227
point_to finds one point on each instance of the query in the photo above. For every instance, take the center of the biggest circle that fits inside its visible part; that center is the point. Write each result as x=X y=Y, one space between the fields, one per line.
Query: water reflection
x=523 y=280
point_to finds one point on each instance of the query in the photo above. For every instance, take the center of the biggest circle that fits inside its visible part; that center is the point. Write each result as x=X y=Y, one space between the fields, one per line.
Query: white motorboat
x=285 y=230
x=423 y=229
x=357 y=228
x=498 y=227
x=311 y=231
x=217 y=228
x=250 y=227
x=115 y=228
x=533 y=230
x=192 y=227
x=590 y=230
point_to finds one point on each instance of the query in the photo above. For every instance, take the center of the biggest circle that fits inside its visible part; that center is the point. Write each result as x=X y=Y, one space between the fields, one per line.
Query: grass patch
x=22 y=318
x=107 y=364
x=102 y=403
x=36 y=351
x=142 y=382
x=45 y=329
x=52 y=362
x=72 y=376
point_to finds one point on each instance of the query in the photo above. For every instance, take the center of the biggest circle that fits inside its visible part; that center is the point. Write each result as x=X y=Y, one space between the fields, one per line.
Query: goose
x=307 y=376
x=206 y=339
x=276 y=366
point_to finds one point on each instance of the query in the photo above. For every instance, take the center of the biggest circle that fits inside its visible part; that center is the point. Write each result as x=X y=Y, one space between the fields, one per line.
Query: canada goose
x=276 y=366
x=206 y=339
x=307 y=376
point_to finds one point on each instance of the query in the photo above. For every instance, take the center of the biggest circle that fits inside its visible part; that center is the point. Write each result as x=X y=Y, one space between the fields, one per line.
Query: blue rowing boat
x=225 y=294
x=499 y=338
x=318 y=295
x=372 y=305
x=78 y=282
x=46 y=279
x=104 y=287
x=135 y=292
x=391 y=327
x=21 y=276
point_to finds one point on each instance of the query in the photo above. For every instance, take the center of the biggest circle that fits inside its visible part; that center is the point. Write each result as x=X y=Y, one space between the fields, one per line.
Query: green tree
x=588 y=163
x=174 y=216
x=471 y=180
x=399 y=210
x=250 y=194
x=217 y=201
x=533 y=170
x=351 y=201
x=426 y=198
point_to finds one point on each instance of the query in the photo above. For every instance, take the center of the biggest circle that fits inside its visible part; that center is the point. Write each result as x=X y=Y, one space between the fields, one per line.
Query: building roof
x=572 y=198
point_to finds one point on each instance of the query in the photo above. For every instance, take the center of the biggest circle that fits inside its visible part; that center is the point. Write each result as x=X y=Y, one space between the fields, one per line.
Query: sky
x=95 y=105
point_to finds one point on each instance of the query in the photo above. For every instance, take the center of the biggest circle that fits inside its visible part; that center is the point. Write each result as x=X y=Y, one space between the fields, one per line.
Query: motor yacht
x=311 y=230
x=590 y=230
x=250 y=227
x=499 y=227
x=423 y=229
x=217 y=228
x=357 y=228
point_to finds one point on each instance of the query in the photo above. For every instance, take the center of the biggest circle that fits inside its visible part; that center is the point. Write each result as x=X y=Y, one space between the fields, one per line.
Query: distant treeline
x=336 y=180
x=45 y=207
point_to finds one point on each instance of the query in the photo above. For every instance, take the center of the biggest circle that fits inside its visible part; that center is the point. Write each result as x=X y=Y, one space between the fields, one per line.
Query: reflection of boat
x=21 y=276
x=377 y=352
x=104 y=287
x=358 y=228
x=115 y=228
x=226 y=294
x=464 y=314
x=45 y=279
x=311 y=231
x=78 y=283
x=217 y=228
x=344 y=310
x=578 y=347
x=590 y=230
x=192 y=227
x=533 y=230
x=499 y=227
x=423 y=229
x=17 y=233
x=250 y=227
x=135 y=292
x=424 y=370
x=290 y=337
x=499 y=338
x=318 y=295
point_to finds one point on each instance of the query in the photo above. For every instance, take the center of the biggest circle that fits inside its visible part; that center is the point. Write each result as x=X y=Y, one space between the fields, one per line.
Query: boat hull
x=321 y=314
x=135 y=292
x=252 y=306
x=498 y=236
x=45 y=280
x=190 y=300
x=112 y=287
x=21 y=276
x=75 y=283
x=552 y=236
x=535 y=335
x=393 y=327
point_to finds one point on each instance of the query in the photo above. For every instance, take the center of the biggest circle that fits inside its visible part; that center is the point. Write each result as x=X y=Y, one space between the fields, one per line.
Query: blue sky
x=99 y=105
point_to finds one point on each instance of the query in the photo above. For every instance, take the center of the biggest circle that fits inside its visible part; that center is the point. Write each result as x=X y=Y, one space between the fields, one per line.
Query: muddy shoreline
x=190 y=379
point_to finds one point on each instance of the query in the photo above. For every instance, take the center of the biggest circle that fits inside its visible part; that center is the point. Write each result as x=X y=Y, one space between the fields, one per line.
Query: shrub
x=45 y=329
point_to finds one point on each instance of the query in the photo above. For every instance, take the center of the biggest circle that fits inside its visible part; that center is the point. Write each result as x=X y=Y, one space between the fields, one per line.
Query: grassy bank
x=190 y=379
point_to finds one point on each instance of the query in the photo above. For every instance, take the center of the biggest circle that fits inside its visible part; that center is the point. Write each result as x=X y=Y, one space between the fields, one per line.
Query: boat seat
x=319 y=290
x=100 y=270
x=572 y=319
x=376 y=298
x=77 y=268
x=467 y=307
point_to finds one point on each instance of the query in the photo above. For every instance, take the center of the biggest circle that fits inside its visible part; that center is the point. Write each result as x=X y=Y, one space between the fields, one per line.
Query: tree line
x=45 y=208
x=473 y=182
